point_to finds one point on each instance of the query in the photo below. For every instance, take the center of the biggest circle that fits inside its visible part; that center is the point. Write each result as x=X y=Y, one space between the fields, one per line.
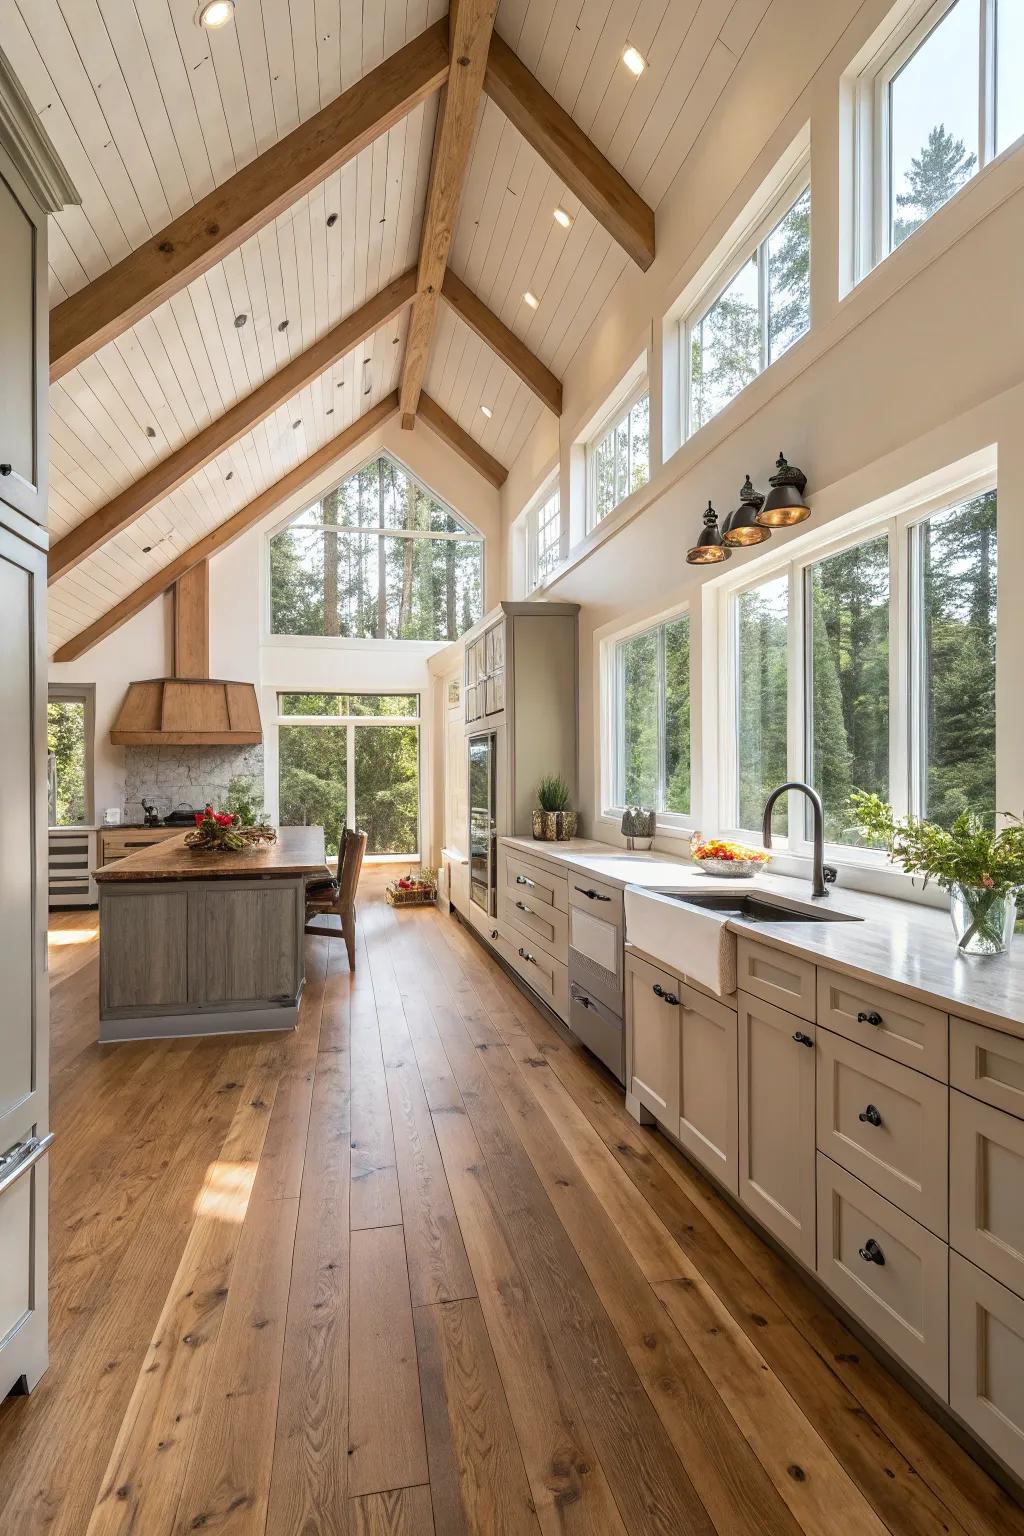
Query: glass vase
x=983 y=920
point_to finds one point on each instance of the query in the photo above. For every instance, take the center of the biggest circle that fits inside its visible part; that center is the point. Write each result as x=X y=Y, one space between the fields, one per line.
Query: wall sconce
x=785 y=503
x=741 y=527
x=709 y=549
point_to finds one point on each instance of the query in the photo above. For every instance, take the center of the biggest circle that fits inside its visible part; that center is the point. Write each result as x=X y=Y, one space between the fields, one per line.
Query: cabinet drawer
x=117 y=845
x=986 y=1188
x=707 y=1085
x=987 y=1064
x=604 y=901
x=907 y=1032
x=986 y=1360
x=891 y=1272
x=887 y=1124
x=540 y=919
x=776 y=1122
x=775 y=977
x=543 y=884
x=548 y=977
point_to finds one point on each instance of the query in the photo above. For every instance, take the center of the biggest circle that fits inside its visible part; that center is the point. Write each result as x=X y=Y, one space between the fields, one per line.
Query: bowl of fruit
x=719 y=857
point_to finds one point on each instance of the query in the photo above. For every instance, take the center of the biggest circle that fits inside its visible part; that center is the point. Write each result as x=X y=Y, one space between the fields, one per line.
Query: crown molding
x=23 y=137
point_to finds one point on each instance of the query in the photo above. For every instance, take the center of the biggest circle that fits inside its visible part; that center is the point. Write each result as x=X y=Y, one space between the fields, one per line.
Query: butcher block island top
x=205 y=943
x=297 y=851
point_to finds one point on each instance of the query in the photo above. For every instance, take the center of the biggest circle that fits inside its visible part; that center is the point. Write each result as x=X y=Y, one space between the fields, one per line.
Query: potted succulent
x=982 y=869
x=553 y=822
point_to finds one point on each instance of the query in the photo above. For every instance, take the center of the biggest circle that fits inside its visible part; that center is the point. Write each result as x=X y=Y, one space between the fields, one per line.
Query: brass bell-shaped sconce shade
x=709 y=549
x=741 y=527
x=785 y=503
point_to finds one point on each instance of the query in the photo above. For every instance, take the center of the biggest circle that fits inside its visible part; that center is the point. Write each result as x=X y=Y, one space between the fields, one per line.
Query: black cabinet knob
x=658 y=989
x=494 y=933
x=869 y=1018
x=871 y=1253
x=521 y=905
x=5 y=469
x=870 y=1115
x=671 y=999
x=802 y=1039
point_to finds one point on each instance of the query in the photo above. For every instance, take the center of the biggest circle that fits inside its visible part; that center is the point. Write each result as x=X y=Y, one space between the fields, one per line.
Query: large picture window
x=351 y=760
x=652 y=718
x=889 y=639
x=380 y=557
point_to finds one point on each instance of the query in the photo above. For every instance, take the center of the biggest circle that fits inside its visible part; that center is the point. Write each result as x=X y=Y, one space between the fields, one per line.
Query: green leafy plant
x=244 y=801
x=553 y=793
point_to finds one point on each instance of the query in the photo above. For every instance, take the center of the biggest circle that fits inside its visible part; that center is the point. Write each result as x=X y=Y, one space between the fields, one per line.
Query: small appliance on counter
x=182 y=816
x=150 y=814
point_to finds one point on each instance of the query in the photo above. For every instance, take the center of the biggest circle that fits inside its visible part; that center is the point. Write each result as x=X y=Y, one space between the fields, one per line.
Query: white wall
x=917 y=367
x=241 y=647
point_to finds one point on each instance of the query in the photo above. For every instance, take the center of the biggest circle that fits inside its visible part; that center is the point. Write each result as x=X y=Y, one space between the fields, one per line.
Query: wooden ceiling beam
x=502 y=341
x=225 y=533
x=470 y=24
x=465 y=446
x=202 y=236
x=570 y=154
x=187 y=460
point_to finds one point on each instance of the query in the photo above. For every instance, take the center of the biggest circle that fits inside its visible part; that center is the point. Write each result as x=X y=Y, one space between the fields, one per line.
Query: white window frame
x=610 y=423
x=906 y=700
x=873 y=169
x=352 y=723
x=613 y=772
x=753 y=242
x=536 y=571
x=84 y=694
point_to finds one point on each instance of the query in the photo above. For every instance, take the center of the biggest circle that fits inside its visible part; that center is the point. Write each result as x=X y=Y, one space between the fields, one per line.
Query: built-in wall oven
x=483 y=826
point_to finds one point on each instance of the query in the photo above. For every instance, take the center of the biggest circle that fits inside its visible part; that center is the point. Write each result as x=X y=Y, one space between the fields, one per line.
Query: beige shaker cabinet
x=986 y=1188
x=653 y=1015
x=24 y=355
x=986 y=1359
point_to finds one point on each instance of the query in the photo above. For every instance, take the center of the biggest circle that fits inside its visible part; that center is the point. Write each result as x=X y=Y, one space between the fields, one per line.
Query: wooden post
x=192 y=622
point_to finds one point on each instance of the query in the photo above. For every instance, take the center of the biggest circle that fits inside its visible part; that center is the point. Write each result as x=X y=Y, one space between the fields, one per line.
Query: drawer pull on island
x=802 y=1039
x=871 y=1253
x=870 y=1116
x=870 y=1018
x=591 y=895
x=522 y=907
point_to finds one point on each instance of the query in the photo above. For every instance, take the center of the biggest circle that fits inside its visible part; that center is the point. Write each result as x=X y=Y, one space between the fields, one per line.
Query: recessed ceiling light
x=240 y=321
x=487 y=411
x=563 y=218
x=531 y=299
x=151 y=431
x=296 y=425
x=332 y=219
x=230 y=475
x=634 y=60
x=216 y=13
x=282 y=325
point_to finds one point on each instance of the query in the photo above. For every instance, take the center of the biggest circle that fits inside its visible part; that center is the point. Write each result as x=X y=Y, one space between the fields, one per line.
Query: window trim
x=753 y=242
x=80 y=693
x=610 y=421
x=899 y=523
x=613 y=752
x=548 y=493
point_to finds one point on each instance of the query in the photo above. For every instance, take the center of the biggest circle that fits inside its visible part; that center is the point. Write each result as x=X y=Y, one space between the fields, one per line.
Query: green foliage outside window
x=66 y=747
x=654 y=718
x=762 y=662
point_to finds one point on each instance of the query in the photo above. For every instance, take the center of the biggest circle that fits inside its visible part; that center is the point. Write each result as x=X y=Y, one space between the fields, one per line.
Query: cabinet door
x=986 y=1359
x=24 y=366
x=652 y=1036
x=144 y=957
x=776 y=1122
x=707 y=1085
x=986 y=1188
x=247 y=939
x=24 y=1045
x=494 y=665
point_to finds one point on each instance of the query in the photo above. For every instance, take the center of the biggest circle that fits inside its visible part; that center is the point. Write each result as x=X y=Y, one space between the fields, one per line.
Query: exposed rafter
x=471 y=23
x=502 y=341
x=226 y=532
x=570 y=154
x=465 y=446
x=243 y=204
x=185 y=461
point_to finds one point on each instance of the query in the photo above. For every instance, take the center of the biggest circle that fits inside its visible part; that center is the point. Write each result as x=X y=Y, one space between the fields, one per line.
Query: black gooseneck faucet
x=822 y=872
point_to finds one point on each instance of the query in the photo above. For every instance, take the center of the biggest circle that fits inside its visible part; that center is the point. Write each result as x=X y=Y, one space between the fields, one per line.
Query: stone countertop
x=899 y=944
x=298 y=851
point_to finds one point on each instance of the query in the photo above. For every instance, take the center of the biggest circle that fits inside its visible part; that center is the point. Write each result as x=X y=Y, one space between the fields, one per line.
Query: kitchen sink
x=757 y=909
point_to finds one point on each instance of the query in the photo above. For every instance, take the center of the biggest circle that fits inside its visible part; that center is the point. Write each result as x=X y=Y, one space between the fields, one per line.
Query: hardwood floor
x=412 y=1269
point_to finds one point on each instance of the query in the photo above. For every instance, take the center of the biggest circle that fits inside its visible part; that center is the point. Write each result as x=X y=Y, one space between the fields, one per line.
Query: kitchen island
x=205 y=943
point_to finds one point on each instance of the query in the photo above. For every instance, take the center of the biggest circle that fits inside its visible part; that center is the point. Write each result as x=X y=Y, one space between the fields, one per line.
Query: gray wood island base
x=204 y=943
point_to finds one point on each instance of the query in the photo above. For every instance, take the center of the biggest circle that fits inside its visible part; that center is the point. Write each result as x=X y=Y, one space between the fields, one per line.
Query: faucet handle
x=830 y=873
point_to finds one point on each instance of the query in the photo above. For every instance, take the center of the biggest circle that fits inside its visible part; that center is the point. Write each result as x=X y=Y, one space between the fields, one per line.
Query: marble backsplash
x=171 y=776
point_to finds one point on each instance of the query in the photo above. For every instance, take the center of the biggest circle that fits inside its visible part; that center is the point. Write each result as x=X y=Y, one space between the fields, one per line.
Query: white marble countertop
x=899 y=944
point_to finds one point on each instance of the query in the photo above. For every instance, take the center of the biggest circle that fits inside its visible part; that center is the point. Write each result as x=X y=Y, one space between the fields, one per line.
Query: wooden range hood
x=190 y=709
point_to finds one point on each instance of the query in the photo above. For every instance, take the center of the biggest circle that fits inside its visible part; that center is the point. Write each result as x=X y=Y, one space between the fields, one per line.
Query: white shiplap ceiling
x=149 y=112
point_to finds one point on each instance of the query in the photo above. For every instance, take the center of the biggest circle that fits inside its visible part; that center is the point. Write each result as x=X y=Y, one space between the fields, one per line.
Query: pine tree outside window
x=651 y=725
x=619 y=457
x=377 y=557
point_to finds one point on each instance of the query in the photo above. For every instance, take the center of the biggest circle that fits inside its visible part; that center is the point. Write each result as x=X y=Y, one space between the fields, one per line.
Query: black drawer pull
x=522 y=880
x=671 y=999
x=870 y=1116
x=869 y=1018
x=658 y=989
x=525 y=953
x=802 y=1039
x=592 y=895
x=522 y=907
x=871 y=1253
x=494 y=933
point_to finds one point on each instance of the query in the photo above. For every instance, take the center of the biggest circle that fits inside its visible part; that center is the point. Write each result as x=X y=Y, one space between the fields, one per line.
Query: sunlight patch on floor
x=225 y=1192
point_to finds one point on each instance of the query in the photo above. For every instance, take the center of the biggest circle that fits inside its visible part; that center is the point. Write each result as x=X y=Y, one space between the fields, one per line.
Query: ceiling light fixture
x=563 y=218
x=531 y=299
x=741 y=527
x=487 y=411
x=709 y=549
x=786 y=502
x=633 y=60
x=216 y=13
x=240 y=321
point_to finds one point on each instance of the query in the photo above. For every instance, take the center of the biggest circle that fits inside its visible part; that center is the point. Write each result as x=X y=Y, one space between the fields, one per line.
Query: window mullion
x=350 y=775
x=762 y=300
x=662 y=789
x=986 y=82
x=799 y=693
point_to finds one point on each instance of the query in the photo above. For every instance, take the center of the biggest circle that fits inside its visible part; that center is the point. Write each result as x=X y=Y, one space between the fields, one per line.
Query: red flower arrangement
x=223 y=832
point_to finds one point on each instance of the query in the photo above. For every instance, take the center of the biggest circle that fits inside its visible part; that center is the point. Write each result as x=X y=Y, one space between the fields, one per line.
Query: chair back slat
x=351 y=862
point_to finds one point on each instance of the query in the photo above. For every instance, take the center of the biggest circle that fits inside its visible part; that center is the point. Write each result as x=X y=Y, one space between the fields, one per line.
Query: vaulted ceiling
x=150 y=112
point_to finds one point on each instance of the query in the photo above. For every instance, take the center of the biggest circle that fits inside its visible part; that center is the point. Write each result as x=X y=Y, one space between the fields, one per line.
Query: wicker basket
x=421 y=893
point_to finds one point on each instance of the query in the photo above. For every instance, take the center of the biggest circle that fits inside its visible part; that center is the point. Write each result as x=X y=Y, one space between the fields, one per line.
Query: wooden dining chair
x=339 y=897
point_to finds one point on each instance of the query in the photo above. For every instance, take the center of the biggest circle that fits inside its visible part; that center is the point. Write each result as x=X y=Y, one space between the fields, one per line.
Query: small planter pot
x=983 y=920
x=554 y=826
